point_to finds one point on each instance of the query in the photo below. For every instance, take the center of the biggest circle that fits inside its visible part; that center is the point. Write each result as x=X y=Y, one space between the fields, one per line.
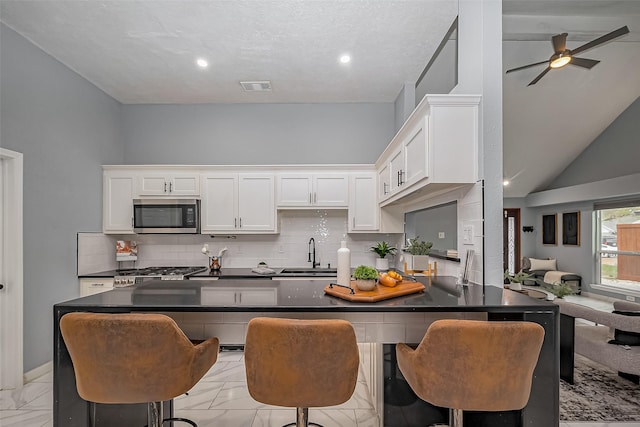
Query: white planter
x=382 y=264
x=417 y=262
x=365 y=285
x=515 y=286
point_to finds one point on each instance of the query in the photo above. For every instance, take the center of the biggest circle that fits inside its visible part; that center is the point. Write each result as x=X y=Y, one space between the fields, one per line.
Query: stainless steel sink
x=309 y=271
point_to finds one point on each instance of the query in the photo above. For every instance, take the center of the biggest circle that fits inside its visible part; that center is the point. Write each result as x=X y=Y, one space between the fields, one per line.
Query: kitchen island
x=213 y=308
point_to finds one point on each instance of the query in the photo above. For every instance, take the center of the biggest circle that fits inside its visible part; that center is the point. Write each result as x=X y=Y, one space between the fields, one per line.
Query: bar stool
x=470 y=365
x=301 y=363
x=134 y=358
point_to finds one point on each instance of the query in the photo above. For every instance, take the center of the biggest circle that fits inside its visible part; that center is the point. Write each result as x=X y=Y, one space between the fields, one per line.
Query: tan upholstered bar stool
x=134 y=358
x=301 y=363
x=473 y=365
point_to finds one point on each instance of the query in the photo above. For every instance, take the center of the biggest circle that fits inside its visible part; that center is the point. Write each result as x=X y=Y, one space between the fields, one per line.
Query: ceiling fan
x=563 y=56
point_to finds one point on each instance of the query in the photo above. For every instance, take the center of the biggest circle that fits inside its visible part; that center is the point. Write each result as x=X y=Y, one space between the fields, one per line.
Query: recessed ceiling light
x=505 y=182
x=202 y=63
x=345 y=59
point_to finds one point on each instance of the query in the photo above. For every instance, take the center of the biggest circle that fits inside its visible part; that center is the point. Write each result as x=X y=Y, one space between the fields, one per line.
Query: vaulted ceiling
x=145 y=52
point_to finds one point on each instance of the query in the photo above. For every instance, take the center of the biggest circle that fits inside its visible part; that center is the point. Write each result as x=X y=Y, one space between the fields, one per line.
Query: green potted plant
x=419 y=250
x=561 y=290
x=366 y=277
x=516 y=280
x=383 y=249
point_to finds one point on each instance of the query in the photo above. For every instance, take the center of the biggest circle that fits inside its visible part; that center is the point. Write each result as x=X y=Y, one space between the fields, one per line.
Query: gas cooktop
x=128 y=277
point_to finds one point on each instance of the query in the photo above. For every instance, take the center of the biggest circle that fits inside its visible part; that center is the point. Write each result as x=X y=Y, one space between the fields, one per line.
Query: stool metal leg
x=302 y=419
x=154 y=414
x=455 y=417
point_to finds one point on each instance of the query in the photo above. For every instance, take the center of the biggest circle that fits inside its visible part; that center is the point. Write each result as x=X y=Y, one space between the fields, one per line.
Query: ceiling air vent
x=257 y=86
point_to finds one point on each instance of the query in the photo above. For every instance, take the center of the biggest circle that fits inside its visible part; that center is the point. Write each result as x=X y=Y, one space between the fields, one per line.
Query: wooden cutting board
x=378 y=294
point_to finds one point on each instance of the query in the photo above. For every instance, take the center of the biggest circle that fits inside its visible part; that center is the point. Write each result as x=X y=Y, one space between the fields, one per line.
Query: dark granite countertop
x=441 y=294
x=233 y=273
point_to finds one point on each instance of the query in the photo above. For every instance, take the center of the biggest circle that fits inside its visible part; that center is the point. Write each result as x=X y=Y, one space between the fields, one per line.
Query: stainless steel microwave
x=166 y=216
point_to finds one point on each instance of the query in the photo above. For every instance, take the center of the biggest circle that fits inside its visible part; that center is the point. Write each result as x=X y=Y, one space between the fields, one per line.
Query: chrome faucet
x=314 y=263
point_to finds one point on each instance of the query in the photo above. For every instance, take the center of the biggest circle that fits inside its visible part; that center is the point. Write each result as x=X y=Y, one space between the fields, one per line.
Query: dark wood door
x=511 y=240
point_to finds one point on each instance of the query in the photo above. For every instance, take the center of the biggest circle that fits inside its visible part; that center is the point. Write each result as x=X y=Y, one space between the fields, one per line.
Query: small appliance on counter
x=132 y=276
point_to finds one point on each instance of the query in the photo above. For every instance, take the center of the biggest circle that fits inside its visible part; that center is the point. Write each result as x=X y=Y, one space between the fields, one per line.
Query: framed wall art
x=550 y=229
x=571 y=228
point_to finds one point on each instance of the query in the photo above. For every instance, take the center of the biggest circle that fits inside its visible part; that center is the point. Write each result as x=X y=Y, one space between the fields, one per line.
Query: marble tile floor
x=220 y=399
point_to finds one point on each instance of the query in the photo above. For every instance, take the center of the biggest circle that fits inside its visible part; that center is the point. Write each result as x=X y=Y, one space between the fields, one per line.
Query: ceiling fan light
x=560 y=61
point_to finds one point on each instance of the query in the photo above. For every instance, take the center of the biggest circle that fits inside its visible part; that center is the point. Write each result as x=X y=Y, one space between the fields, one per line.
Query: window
x=618 y=250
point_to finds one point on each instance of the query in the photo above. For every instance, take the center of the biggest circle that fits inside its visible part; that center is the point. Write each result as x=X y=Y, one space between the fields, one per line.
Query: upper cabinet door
x=118 y=194
x=256 y=202
x=153 y=185
x=364 y=212
x=184 y=185
x=330 y=190
x=396 y=169
x=416 y=150
x=384 y=182
x=219 y=211
x=294 y=190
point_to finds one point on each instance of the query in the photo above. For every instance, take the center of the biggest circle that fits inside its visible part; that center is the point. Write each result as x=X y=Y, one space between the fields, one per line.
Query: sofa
x=545 y=272
x=602 y=338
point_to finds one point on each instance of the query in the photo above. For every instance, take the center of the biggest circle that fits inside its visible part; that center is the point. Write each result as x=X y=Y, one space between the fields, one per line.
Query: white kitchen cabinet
x=313 y=190
x=163 y=183
x=364 y=212
x=95 y=286
x=239 y=296
x=238 y=203
x=435 y=150
x=117 y=202
x=408 y=163
x=384 y=181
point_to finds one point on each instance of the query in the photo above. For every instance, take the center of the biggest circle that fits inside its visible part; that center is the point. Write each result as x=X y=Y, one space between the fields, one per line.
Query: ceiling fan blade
x=527 y=66
x=559 y=42
x=612 y=35
x=541 y=75
x=583 y=62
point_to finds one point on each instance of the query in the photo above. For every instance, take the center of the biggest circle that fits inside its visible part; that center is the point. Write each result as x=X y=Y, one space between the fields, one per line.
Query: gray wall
x=615 y=152
x=66 y=128
x=404 y=104
x=252 y=134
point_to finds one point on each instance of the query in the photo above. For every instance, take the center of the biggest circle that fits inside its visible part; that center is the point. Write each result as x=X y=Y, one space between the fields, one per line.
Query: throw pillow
x=624 y=337
x=543 y=264
x=526 y=263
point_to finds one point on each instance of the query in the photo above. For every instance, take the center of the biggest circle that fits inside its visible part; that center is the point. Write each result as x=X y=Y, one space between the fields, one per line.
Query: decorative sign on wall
x=571 y=228
x=549 y=229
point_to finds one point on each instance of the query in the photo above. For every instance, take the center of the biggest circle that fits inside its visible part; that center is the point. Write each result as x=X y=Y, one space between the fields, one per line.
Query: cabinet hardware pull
x=235 y=222
x=315 y=197
x=132 y=223
x=384 y=187
x=354 y=222
x=170 y=187
x=240 y=222
x=165 y=186
x=309 y=198
x=398 y=180
x=240 y=298
x=97 y=284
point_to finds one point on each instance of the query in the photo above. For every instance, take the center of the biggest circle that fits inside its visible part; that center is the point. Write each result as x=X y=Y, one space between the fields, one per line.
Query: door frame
x=515 y=213
x=11 y=324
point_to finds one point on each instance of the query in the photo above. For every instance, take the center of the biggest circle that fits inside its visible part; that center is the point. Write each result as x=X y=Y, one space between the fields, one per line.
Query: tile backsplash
x=290 y=247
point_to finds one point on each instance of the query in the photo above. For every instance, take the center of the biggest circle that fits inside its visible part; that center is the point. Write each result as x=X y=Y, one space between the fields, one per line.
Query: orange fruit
x=387 y=280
